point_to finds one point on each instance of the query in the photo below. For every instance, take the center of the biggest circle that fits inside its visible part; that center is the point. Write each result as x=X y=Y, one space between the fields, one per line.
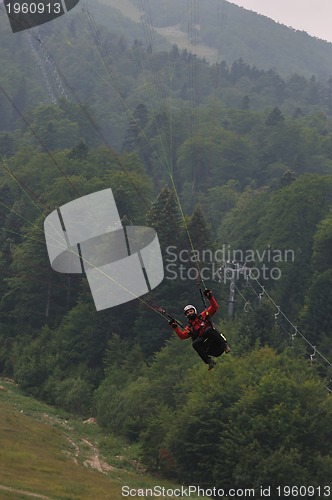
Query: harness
x=202 y=325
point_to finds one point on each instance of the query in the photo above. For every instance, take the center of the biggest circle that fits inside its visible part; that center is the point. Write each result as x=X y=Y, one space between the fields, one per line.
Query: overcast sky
x=312 y=16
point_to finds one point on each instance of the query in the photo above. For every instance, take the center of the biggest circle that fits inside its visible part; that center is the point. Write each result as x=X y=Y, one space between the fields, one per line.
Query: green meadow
x=45 y=454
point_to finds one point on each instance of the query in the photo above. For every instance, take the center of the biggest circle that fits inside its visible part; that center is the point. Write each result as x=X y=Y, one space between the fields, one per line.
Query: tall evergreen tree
x=274 y=117
x=200 y=231
x=165 y=218
x=136 y=127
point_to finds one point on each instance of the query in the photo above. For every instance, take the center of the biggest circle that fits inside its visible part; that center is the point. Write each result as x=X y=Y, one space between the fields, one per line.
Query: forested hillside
x=233 y=33
x=110 y=75
x=227 y=162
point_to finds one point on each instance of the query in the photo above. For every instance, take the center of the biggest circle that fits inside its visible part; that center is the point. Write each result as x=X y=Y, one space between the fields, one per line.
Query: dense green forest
x=227 y=159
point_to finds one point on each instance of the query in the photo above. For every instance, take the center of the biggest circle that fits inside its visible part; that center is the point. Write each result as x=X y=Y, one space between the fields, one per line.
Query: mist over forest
x=227 y=155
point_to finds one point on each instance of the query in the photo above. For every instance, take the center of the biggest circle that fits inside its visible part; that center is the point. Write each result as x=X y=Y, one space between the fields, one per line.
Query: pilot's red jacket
x=196 y=327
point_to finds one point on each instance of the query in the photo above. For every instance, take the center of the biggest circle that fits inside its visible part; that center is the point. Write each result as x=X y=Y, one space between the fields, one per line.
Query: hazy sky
x=312 y=16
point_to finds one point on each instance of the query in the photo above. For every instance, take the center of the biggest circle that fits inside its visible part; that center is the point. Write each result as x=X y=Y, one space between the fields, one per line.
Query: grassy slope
x=126 y=7
x=34 y=457
x=47 y=455
x=172 y=34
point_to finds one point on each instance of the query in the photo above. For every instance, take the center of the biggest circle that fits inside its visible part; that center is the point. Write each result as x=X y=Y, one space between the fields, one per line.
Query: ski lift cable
x=42 y=68
x=246 y=301
x=315 y=350
x=296 y=330
x=49 y=61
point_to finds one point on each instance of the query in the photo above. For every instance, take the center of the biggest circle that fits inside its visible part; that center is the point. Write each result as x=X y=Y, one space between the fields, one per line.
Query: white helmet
x=189 y=306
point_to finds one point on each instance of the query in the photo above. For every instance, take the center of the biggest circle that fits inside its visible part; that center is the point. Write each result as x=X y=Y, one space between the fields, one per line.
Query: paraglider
x=206 y=340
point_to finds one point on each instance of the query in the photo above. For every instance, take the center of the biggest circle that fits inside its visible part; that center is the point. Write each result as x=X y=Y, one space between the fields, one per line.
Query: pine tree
x=80 y=151
x=275 y=117
x=165 y=218
x=245 y=103
x=136 y=126
x=199 y=230
x=174 y=291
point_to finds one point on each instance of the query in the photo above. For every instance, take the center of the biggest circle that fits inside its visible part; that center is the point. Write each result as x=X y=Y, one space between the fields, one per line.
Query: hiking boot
x=227 y=349
x=212 y=364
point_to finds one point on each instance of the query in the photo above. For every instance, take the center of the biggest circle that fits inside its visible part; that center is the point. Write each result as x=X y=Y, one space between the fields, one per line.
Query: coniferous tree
x=165 y=218
x=134 y=133
x=245 y=104
x=80 y=151
x=200 y=230
x=274 y=117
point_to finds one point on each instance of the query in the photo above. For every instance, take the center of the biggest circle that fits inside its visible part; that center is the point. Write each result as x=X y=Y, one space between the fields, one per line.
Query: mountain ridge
x=264 y=43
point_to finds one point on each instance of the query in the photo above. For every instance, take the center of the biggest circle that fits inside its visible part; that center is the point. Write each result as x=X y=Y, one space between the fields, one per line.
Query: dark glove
x=173 y=323
x=208 y=293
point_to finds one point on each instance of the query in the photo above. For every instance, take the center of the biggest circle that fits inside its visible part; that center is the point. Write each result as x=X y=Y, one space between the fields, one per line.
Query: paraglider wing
x=23 y=15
